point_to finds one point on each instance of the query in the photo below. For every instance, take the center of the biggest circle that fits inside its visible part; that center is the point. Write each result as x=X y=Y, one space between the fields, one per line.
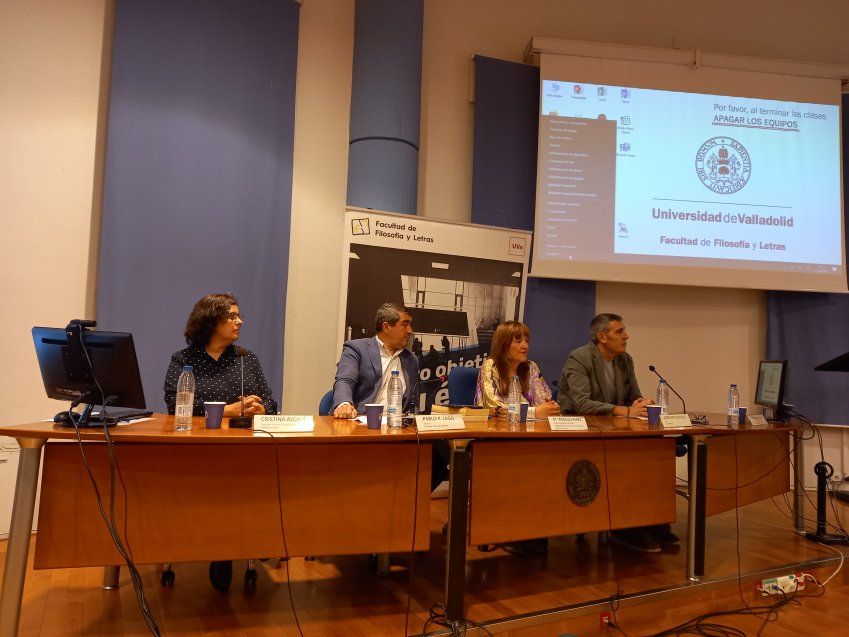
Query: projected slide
x=634 y=175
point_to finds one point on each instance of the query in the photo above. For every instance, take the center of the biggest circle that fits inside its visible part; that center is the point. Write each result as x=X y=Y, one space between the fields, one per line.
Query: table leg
x=458 y=515
x=111 y=574
x=17 y=548
x=697 y=464
x=798 y=482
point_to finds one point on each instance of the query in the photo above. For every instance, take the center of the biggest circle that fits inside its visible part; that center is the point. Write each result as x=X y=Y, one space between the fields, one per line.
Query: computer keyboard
x=118 y=413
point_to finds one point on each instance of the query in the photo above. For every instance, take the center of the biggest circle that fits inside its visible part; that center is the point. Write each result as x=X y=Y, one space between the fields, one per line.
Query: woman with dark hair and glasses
x=509 y=358
x=211 y=331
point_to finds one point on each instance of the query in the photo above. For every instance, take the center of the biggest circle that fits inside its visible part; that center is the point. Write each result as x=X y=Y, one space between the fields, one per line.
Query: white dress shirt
x=389 y=362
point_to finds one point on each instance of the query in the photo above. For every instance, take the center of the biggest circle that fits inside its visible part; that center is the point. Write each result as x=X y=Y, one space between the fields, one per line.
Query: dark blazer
x=359 y=372
x=580 y=387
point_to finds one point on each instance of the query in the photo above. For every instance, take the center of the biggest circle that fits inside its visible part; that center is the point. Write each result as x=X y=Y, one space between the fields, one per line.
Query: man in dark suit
x=364 y=368
x=363 y=371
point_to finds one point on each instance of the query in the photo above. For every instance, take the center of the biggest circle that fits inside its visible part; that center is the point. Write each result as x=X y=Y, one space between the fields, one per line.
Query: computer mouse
x=63 y=419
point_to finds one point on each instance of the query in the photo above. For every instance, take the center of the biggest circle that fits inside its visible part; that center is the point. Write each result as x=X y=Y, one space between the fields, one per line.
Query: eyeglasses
x=232 y=316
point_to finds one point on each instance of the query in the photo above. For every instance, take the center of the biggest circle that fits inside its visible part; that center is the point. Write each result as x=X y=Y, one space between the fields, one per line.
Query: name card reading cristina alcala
x=284 y=425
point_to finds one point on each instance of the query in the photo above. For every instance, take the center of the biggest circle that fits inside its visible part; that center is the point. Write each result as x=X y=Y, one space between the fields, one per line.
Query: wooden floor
x=341 y=596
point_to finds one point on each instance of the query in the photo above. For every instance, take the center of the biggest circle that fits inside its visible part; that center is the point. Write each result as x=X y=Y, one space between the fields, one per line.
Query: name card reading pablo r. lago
x=675 y=421
x=284 y=425
x=567 y=423
x=440 y=422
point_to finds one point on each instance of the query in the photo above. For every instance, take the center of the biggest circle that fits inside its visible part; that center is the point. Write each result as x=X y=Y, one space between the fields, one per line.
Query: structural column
x=383 y=157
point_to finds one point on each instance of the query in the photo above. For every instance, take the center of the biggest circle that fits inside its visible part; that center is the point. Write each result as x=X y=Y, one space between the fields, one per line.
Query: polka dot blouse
x=217 y=379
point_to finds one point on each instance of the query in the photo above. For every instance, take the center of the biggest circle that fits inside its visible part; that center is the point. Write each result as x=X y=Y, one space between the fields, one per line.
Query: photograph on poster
x=456 y=303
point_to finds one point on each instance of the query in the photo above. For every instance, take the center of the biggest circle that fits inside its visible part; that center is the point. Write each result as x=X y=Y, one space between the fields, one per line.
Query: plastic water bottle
x=663 y=396
x=395 y=401
x=185 y=400
x=514 y=400
x=733 y=405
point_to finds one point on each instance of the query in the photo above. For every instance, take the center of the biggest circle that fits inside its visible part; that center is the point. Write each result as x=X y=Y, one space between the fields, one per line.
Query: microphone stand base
x=241 y=422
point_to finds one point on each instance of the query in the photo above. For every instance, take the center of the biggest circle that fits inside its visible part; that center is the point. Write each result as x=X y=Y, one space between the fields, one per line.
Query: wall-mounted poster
x=458 y=280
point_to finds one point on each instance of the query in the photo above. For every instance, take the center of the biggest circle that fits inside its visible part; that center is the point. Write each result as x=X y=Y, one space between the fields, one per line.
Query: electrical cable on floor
x=839 y=566
x=458 y=627
x=829 y=486
x=111 y=527
x=839 y=527
x=615 y=598
x=765 y=613
x=815 y=432
x=415 y=522
x=282 y=528
x=787 y=456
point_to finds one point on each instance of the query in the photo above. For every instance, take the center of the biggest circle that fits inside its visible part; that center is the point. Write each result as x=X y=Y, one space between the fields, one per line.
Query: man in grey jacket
x=598 y=378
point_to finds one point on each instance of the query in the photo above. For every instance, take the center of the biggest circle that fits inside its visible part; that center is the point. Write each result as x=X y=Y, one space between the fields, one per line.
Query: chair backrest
x=325 y=405
x=462 y=382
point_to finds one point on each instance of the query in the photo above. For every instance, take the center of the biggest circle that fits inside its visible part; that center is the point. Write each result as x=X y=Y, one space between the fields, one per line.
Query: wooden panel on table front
x=205 y=502
x=761 y=469
x=343 y=499
x=518 y=489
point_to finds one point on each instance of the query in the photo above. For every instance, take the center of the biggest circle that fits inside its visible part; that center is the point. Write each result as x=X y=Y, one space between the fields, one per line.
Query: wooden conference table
x=344 y=489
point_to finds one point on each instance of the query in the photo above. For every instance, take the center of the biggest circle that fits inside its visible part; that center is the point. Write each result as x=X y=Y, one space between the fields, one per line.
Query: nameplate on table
x=283 y=425
x=757 y=421
x=675 y=421
x=567 y=423
x=440 y=422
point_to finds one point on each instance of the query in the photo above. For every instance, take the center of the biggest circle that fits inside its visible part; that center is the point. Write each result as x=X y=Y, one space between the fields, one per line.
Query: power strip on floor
x=786 y=584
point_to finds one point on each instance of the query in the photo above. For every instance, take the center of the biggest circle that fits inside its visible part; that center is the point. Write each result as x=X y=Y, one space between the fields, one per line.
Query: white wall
x=319 y=189
x=51 y=89
x=700 y=339
x=51 y=55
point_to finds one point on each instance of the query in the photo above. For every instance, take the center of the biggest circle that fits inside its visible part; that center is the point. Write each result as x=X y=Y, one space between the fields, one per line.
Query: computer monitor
x=67 y=374
x=772 y=379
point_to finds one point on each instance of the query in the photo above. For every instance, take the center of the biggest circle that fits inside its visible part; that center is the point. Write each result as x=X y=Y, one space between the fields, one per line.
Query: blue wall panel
x=557 y=311
x=198 y=179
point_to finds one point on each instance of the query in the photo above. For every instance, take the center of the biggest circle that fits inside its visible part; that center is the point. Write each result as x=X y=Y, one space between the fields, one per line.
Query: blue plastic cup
x=741 y=415
x=373 y=415
x=654 y=413
x=523 y=412
x=214 y=412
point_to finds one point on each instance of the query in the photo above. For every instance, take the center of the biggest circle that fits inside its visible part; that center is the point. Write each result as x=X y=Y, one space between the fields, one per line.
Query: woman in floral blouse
x=509 y=358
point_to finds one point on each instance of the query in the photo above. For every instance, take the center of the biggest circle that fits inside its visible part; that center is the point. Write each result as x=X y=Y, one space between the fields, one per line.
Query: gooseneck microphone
x=241 y=421
x=684 y=404
x=414 y=395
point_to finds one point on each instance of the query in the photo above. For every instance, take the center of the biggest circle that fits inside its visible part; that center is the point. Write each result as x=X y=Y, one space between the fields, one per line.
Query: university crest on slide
x=723 y=165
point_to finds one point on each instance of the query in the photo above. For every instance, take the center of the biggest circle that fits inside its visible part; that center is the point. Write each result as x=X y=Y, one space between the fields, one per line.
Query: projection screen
x=664 y=173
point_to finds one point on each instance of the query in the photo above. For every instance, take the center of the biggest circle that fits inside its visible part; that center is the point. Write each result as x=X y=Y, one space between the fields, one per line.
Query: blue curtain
x=198 y=176
x=558 y=312
x=810 y=328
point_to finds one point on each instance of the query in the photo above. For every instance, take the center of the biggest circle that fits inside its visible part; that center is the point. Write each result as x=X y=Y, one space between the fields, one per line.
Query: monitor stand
x=75 y=420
